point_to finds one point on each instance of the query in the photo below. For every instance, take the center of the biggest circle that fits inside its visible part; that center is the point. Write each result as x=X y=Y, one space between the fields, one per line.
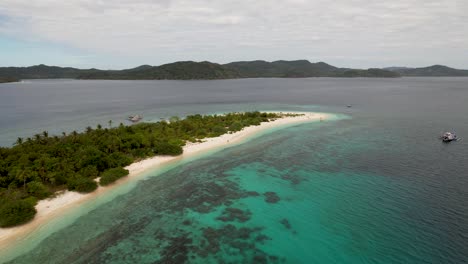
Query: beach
x=356 y=185
x=65 y=201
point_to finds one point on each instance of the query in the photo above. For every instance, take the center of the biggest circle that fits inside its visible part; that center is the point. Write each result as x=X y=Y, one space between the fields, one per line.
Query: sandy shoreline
x=51 y=208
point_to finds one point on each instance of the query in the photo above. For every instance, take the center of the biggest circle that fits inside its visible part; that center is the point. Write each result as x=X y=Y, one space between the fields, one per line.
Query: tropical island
x=39 y=167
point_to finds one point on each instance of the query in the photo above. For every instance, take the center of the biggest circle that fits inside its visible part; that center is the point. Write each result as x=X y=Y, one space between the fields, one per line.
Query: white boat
x=134 y=118
x=448 y=136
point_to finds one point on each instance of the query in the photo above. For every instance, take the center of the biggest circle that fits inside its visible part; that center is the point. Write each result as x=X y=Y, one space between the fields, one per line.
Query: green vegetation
x=81 y=184
x=284 y=69
x=302 y=69
x=370 y=73
x=434 y=70
x=184 y=70
x=8 y=79
x=112 y=175
x=189 y=70
x=16 y=212
x=40 y=72
x=37 y=167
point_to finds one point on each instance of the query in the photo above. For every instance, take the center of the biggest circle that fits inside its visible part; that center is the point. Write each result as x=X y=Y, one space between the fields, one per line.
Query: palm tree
x=64 y=134
x=42 y=170
x=89 y=129
x=19 y=141
x=99 y=127
x=22 y=175
x=174 y=119
x=74 y=134
x=110 y=123
x=45 y=134
x=37 y=137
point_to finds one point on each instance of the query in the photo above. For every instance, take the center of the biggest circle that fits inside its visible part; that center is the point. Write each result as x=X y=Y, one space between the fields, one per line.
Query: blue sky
x=20 y=52
x=116 y=34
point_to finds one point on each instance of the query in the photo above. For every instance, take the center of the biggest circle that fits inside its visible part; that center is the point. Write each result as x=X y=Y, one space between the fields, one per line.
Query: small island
x=39 y=167
x=8 y=79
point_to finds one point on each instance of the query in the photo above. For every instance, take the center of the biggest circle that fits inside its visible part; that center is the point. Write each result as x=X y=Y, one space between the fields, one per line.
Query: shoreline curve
x=65 y=201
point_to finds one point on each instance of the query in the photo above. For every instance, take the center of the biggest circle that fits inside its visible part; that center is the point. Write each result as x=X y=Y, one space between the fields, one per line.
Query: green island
x=37 y=167
x=8 y=79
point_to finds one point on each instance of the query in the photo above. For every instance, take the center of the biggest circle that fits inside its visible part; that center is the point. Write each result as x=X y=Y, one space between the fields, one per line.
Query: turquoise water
x=291 y=196
x=373 y=186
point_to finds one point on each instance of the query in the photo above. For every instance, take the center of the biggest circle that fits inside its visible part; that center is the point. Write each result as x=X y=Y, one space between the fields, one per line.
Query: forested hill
x=183 y=70
x=435 y=70
x=40 y=72
x=301 y=69
x=189 y=70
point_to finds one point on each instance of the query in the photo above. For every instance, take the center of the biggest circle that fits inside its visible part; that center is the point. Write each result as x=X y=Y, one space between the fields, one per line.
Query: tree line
x=37 y=167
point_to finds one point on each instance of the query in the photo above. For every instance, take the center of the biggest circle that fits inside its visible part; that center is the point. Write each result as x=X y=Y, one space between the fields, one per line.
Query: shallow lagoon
x=377 y=187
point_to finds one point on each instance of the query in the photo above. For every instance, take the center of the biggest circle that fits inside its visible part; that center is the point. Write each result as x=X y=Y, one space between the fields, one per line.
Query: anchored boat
x=448 y=137
x=134 y=118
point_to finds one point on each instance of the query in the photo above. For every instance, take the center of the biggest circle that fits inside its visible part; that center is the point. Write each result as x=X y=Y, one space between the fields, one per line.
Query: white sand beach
x=51 y=208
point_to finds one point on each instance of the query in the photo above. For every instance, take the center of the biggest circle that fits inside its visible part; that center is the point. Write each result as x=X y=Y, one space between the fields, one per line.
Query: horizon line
x=201 y=61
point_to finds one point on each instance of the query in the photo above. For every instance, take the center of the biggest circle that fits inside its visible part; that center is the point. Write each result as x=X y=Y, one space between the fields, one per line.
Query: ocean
x=372 y=185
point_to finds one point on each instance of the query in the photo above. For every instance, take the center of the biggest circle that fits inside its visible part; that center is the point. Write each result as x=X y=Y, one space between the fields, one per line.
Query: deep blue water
x=373 y=186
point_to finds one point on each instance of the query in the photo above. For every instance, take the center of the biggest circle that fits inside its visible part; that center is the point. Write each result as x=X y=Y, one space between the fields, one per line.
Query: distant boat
x=448 y=137
x=349 y=106
x=135 y=118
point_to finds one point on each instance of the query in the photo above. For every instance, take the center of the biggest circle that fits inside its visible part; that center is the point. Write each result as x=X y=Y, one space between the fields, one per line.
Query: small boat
x=349 y=106
x=448 y=137
x=134 y=118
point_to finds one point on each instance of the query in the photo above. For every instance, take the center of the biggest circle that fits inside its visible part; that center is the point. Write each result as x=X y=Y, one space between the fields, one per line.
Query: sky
x=117 y=34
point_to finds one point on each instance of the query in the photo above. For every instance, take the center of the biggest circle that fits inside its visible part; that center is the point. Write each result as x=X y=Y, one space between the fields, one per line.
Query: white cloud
x=345 y=32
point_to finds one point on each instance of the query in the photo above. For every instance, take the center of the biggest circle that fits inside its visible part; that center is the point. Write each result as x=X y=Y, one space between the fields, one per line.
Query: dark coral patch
x=253 y=193
x=242 y=240
x=271 y=197
x=293 y=179
x=285 y=223
x=234 y=214
x=177 y=251
x=262 y=238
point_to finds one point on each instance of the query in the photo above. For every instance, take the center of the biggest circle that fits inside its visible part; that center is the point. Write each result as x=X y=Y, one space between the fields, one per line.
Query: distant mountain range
x=435 y=70
x=300 y=69
x=189 y=70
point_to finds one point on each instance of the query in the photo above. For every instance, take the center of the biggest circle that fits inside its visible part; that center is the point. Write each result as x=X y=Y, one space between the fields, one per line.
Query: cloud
x=222 y=30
